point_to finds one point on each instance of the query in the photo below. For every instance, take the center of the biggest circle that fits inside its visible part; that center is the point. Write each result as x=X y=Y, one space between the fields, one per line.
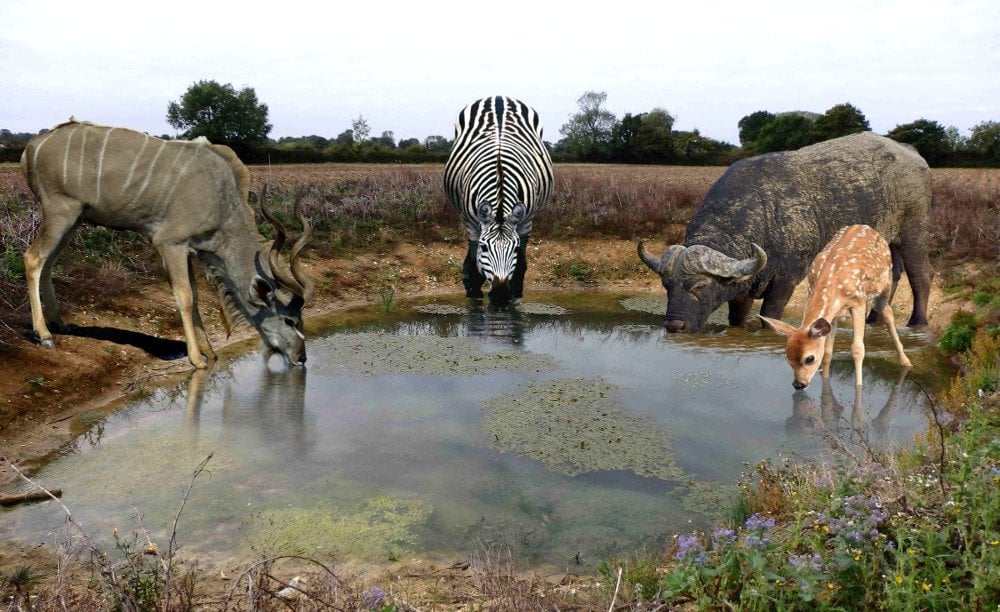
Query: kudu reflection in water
x=274 y=410
x=829 y=420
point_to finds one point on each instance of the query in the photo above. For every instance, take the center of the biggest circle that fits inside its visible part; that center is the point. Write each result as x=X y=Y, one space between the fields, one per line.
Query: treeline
x=593 y=134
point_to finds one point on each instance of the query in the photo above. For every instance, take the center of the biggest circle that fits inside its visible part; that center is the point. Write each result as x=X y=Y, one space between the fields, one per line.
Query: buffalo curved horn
x=663 y=266
x=709 y=261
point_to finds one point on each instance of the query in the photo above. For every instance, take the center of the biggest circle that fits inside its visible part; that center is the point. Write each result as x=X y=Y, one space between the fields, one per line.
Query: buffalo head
x=698 y=279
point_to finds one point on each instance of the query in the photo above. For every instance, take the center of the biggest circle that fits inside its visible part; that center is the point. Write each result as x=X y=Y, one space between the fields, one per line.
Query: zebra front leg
x=471 y=278
x=517 y=282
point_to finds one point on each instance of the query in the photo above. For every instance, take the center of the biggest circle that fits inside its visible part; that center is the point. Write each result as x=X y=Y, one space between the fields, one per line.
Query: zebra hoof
x=48 y=343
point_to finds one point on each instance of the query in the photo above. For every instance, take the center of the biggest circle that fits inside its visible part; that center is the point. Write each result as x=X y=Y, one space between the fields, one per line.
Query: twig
x=617 y=586
x=107 y=571
x=252 y=568
x=173 y=531
x=940 y=427
x=26 y=498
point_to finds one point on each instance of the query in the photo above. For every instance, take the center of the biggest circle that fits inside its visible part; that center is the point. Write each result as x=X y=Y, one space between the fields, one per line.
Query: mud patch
x=380 y=353
x=577 y=425
x=381 y=529
x=653 y=304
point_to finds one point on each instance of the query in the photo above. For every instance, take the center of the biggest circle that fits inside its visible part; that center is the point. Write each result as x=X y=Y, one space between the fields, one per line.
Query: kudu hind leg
x=175 y=260
x=60 y=217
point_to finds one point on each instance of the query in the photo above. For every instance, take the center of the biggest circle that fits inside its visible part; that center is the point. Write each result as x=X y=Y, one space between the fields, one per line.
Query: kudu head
x=280 y=303
x=698 y=279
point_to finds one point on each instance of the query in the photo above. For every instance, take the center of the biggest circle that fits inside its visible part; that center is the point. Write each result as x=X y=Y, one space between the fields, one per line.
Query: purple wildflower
x=756 y=521
x=802 y=563
x=755 y=542
x=995 y=471
x=373 y=598
x=690 y=549
x=722 y=537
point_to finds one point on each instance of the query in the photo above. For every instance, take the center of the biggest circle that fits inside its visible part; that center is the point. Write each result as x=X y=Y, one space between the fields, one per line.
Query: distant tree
x=360 y=129
x=14 y=139
x=220 y=113
x=786 y=132
x=409 y=142
x=839 y=120
x=623 y=138
x=588 y=132
x=653 y=141
x=437 y=143
x=751 y=125
x=387 y=140
x=693 y=148
x=929 y=137
x=984 y=139
x=345 y=138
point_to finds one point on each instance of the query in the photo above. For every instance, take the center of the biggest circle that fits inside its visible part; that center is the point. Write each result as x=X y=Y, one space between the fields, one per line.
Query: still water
x=570 y=427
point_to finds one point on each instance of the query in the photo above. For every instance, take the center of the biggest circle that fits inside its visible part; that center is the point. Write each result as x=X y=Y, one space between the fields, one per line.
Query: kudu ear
x=777 y=325
x=819 y=328
x=261 y=292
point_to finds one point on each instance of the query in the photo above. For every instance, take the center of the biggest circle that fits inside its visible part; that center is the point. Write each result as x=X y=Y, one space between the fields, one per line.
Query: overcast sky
x=411 y=66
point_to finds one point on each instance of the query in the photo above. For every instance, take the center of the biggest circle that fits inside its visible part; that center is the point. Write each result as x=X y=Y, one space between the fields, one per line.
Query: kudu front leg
x=175 y=260
x=199 y=327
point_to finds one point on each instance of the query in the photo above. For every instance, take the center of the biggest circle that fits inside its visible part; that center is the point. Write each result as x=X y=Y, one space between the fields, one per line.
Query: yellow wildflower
x=925 y=586
x=994 y=542
x=826 y=529
x=899 y=580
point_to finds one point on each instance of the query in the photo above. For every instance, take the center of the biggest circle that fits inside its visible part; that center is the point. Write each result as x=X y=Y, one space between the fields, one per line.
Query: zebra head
x=499 y=248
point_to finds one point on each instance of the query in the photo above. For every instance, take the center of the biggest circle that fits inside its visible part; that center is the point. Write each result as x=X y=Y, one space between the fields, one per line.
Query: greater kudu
x=188 y=198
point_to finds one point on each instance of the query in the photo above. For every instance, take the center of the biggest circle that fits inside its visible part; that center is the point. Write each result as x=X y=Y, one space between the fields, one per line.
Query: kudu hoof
x=48 y=343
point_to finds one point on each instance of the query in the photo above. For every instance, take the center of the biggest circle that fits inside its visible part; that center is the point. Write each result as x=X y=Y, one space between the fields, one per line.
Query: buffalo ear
x=819 y=328
x=698 y=287
x=777 y=325
x=261 y=292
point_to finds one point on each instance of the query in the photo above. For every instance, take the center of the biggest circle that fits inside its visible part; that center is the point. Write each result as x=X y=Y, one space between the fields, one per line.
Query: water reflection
x=504 y=324
x=274 y=409
x=829 y=422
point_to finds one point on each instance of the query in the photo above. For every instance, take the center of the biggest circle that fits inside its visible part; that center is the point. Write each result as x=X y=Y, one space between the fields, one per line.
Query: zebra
x=497 y=176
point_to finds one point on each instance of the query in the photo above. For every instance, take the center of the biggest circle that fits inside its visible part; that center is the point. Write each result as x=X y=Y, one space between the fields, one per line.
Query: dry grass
x=362 y=207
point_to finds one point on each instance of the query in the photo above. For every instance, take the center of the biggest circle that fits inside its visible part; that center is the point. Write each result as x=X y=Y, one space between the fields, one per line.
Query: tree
x=220 y=113
x=786 y=132
x=623 y=138
x=360 y=129
x=437 y=143
x=839 y=120
x=409 y=142
x=751 y=125
x=588 y=132
x=929 y=137
x=653 y=142
x=692 y=147
x=984 y=138
x=345 y=138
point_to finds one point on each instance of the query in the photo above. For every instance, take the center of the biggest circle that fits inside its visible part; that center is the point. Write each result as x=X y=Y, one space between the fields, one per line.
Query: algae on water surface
x=577 y=425
x=380 y=353
x=380 y=529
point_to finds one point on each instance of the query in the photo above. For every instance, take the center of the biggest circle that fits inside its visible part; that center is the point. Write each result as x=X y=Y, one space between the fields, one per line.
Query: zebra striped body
x=498 y=175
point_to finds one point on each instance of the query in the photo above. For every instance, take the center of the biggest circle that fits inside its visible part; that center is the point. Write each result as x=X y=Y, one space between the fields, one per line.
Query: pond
x=570 y=427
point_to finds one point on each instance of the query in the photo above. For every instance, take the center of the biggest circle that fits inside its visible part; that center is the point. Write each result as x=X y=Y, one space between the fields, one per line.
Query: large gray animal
x=186 y=198
x=762 y=223
x=497 y=177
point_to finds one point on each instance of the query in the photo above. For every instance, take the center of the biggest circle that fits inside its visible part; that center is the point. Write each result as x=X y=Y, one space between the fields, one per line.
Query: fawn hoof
x=48 y=343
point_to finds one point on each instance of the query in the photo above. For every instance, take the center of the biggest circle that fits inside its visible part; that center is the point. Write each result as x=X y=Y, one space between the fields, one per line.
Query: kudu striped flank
x=188 y=198
x=854 y=267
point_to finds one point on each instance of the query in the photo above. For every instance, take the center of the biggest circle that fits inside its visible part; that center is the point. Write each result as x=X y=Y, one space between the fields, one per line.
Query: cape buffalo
x=765 y=219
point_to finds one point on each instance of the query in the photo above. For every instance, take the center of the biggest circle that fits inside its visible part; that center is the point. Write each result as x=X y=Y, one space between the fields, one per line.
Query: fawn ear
x=777 y=325
x=819 y=328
